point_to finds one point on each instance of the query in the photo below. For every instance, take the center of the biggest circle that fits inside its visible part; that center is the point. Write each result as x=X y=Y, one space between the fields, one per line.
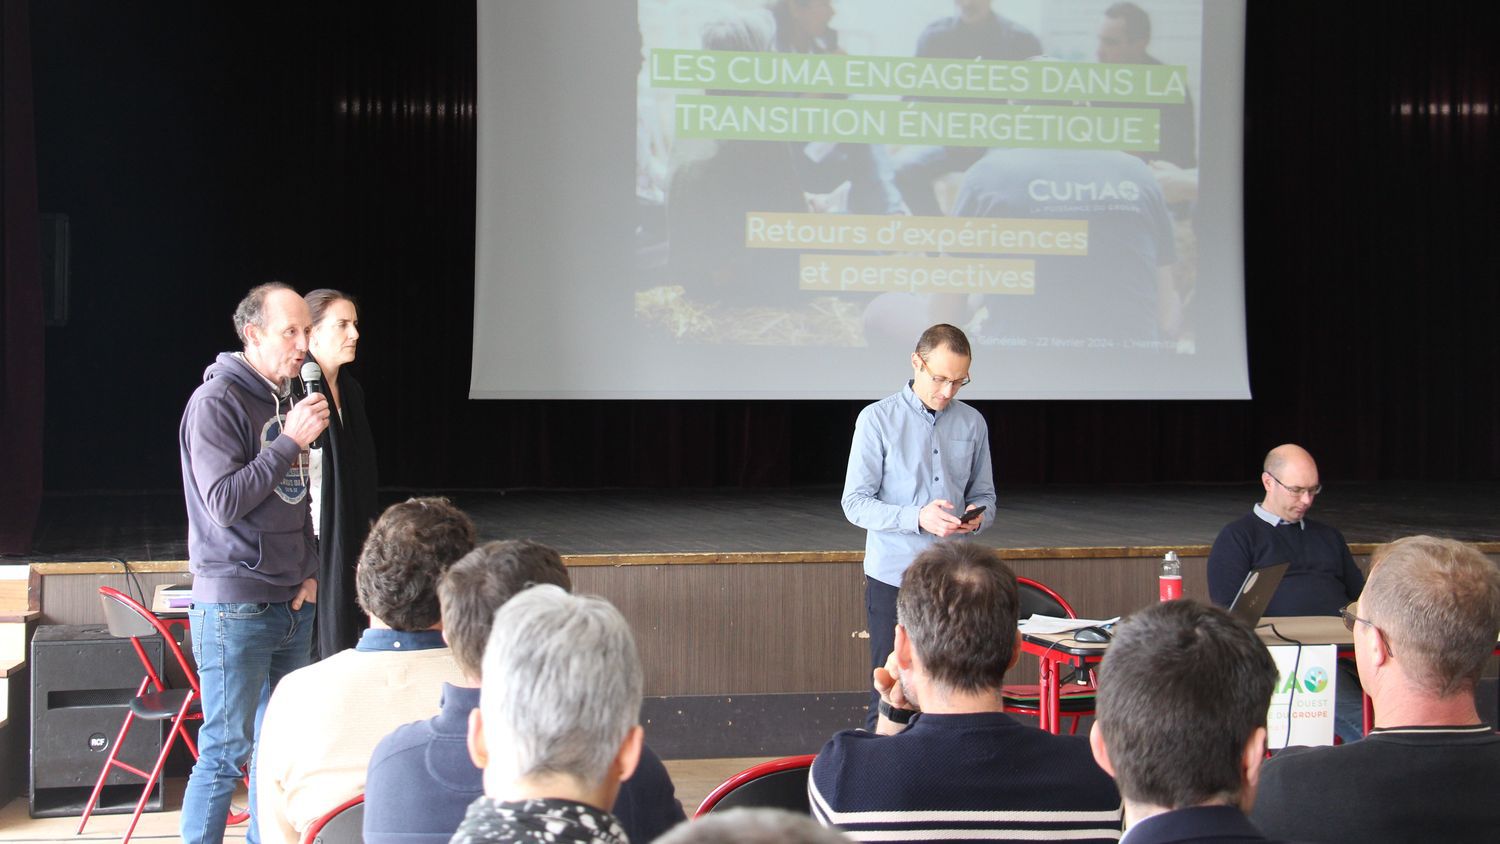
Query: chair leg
x=109 y=764
x=161 y=761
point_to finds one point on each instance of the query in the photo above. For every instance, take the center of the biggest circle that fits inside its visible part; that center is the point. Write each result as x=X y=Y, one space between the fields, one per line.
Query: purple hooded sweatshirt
x=250 y=538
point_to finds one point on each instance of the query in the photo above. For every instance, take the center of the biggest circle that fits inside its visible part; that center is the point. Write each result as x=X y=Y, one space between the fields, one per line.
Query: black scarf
x=348 y=507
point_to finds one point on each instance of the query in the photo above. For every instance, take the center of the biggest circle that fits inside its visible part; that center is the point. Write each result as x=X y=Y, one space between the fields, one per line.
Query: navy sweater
x=1322 y=577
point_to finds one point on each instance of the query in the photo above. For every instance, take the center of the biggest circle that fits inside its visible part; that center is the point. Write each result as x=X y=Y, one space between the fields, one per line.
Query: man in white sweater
x=325 y=719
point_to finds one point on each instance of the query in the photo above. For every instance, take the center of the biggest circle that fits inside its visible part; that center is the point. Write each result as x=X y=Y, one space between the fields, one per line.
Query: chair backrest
x=777 y=784
x=343 y=824
x=128 y=619
x=1037 y=599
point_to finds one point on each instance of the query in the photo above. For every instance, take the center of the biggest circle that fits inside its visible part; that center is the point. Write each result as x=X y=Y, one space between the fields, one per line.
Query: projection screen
x=770 y=200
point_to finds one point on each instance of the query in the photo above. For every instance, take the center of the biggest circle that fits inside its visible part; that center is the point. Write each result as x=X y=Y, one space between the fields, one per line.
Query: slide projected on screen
x=810 y=183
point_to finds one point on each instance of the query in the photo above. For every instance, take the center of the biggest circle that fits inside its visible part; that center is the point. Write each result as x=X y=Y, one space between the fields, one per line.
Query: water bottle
x=1170 y=582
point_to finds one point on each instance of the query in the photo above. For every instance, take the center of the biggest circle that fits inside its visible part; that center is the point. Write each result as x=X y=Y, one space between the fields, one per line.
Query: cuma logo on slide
x=1314 y=680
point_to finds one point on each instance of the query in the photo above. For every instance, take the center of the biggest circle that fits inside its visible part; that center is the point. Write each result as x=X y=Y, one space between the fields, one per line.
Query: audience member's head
x=1181 y=711
x=957 y=610
x=480 y=583
x=752 y=826
x=407 y=551
x=560 y=700
x=1430 y=612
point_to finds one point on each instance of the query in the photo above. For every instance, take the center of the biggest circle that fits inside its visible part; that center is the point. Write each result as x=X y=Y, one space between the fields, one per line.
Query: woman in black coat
x=343 y=473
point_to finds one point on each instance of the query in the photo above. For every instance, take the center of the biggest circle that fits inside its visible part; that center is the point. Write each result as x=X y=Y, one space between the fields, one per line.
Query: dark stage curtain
x=202 y=148
x=1373 y=282
x=20 y=290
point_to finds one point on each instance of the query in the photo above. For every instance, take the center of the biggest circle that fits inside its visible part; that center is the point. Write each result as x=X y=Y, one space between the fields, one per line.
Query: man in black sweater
x=1423 y=630
x=1322 y=578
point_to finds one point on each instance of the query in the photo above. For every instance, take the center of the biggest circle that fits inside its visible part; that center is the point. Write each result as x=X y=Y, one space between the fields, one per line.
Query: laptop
x=1255 y=593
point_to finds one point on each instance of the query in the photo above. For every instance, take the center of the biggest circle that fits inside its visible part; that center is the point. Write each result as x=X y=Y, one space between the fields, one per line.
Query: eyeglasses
x=940 y=382
x=1347 y=614
x=1299 y=491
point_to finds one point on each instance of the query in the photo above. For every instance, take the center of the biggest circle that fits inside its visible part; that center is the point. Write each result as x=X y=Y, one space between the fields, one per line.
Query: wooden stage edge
x=1358 y=549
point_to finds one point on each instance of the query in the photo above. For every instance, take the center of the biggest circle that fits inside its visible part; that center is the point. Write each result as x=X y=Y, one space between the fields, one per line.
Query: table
x=1055 y=651
x=159 y=605
x=175 y=618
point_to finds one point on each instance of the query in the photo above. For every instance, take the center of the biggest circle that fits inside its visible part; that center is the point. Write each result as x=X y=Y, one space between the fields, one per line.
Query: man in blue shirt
x=920 y=459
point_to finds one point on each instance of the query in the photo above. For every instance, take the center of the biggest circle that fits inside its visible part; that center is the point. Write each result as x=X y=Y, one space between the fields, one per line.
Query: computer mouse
x=1091 y=634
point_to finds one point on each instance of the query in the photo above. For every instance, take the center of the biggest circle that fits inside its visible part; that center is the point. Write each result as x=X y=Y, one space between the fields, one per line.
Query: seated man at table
x=945 y=761
x=1322 y=577
x=1181 y=722
x=421 y=778
x=1423 y=631
x=323 y=720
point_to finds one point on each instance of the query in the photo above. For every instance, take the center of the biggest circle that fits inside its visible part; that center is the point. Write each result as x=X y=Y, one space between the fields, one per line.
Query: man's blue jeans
x=243 y=651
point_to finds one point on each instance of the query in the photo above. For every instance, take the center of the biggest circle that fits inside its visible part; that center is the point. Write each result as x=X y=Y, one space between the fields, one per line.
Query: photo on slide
x=844 y=173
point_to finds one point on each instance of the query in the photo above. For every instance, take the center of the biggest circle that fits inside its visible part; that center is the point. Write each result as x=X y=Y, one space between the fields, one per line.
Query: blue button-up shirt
x=385 y=639
x=905 y=456
x=1272 y=519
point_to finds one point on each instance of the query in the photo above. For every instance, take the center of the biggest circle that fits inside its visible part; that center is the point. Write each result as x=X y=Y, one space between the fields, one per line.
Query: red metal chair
x=1025 y=698
x=154 y=700
x=777 y=784
x=343 y=824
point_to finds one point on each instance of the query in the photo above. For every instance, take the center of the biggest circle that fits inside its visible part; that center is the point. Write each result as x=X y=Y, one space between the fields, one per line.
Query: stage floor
x=152 y=526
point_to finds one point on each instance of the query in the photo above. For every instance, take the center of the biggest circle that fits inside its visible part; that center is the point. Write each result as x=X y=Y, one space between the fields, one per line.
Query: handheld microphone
x=312 y=381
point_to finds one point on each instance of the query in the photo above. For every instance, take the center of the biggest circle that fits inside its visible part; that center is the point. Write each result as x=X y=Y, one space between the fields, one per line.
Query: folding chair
x=343 y=824
x=154 y=700
x=777 y=784
x=1025 y=698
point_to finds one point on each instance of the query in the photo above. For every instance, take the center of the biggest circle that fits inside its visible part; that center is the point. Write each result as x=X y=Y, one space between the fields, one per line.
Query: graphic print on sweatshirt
x=293 y=487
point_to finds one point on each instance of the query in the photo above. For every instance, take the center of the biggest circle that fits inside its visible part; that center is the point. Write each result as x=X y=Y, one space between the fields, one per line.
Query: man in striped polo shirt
x=945 y=763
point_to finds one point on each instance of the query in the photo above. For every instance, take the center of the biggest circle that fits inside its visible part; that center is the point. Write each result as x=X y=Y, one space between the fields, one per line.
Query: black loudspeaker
x=82 y=681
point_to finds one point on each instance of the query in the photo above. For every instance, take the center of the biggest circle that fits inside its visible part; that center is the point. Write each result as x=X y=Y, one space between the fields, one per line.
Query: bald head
x=1290 y=478
x=1278 y=458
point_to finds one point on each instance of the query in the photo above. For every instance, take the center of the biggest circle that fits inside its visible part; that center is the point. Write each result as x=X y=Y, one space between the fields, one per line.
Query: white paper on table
x=1043 y=625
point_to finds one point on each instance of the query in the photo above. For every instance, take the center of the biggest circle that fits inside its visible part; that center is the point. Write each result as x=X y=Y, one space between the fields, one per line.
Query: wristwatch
x=896 y=716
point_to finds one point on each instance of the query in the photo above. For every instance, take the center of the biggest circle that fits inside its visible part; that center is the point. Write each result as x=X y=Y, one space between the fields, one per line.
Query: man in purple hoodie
x=251 y=550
